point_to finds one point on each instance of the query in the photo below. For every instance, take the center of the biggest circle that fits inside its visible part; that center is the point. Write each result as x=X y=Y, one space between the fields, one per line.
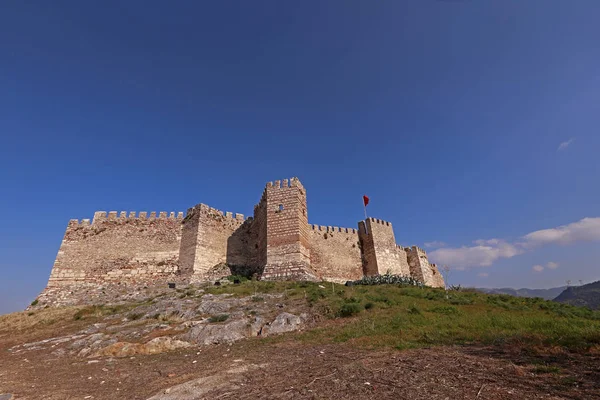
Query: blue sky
x=451 y=115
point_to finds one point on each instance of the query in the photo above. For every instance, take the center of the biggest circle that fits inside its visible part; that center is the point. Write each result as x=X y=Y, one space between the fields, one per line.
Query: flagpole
x=365 y=201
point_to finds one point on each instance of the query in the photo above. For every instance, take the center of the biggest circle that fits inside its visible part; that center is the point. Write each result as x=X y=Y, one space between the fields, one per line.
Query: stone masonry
x=277 y=243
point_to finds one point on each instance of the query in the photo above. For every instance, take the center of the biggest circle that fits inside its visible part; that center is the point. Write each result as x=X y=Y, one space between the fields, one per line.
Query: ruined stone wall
x=211 y=237
x=335 y=253
x=381 y=254
x=421 y=269
x=437 y=278
x=288 y=248
x=118 y=249
x=369 y=258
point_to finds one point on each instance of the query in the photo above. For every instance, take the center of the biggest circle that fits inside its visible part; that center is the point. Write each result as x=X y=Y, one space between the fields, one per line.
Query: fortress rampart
x=277 y=243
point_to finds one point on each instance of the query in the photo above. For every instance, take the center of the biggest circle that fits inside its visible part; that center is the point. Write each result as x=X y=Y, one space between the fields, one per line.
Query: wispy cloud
x=483 y=274
x=566 y=144
x=552 y=265
x=484 y=252
x=434 y=244
x=537 y=268
x=585 y=230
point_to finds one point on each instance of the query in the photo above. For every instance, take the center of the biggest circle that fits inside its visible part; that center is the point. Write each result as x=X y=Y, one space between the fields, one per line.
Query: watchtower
x=287 y=230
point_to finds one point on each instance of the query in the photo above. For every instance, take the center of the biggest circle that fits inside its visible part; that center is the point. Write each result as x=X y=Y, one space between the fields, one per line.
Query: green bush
x=349 y=309
x=240 y=278
x=388 y=279
x=369 y=305
x=35 y=302
x=414 y=310
x=218 y=318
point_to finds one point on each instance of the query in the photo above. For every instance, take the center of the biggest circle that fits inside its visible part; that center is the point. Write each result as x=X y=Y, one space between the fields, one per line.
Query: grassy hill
x=585 y=295
x=353 y=342
x=409 y=317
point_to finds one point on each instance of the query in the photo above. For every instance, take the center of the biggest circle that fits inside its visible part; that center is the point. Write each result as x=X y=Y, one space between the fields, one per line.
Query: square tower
x=287 y=230
x=380 y=253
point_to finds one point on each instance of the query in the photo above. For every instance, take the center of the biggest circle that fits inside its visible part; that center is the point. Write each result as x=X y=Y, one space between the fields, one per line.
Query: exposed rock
x=285 y=322
x=6 y=396
x=214 y=307
x=197 y=389
x=155 y=346
x=224 y=332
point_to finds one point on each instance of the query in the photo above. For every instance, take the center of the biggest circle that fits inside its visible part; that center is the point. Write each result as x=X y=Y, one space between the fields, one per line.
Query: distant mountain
x=585 y=295
x=547 y=294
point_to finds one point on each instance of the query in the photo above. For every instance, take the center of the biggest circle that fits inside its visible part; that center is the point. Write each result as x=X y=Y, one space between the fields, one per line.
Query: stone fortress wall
x=277 y=243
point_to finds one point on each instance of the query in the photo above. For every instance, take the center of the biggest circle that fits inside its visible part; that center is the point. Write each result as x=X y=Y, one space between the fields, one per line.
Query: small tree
x=446 y=274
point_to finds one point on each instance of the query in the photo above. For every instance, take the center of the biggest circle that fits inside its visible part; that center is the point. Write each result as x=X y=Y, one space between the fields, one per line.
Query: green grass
x=410 y=317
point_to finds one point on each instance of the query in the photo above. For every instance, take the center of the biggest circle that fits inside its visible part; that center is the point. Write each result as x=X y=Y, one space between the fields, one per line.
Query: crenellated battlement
x=379 y=221
x=214 y=213
x=399 y=247
x=279 y=184
x=415 y=249
x=322 y=228
x=123 y=216
x=284 y=183
x=76 y=223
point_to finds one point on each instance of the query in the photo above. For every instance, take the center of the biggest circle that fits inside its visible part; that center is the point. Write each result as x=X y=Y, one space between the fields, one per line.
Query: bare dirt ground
x=287 y=366
x=259 y=368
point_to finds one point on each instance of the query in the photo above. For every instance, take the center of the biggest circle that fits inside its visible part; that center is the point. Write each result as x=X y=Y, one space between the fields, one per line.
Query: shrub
x=414 y=310
x=387 y=279
x=349 y=309
x=257 y=298
x=35 y=302
x=369 y=305
x=135 y=316
x=218 y=318
x=446 y=310
x=239 y=278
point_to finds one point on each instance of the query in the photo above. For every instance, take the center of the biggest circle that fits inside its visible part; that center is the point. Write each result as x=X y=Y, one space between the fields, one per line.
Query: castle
x=277 y=243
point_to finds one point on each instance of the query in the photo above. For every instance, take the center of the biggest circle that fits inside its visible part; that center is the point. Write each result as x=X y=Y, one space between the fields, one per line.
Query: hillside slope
x=546 y=294
x=584 y=296
x=298 y=340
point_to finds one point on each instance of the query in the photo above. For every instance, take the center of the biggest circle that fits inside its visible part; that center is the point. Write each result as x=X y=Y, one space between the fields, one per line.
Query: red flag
x=366 y=200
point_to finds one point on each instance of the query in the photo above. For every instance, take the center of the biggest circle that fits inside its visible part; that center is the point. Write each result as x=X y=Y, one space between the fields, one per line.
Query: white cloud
x=485 y=252
x=585 y=230
x=552 y=265
x=566 y=144
x=483 y=274
x=537 y=268
x=435 y=243
x=482 y=255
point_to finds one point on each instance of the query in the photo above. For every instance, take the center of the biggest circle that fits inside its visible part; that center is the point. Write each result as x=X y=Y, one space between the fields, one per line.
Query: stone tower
x=287 y=230
x=379 y=250
x=421 y=269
